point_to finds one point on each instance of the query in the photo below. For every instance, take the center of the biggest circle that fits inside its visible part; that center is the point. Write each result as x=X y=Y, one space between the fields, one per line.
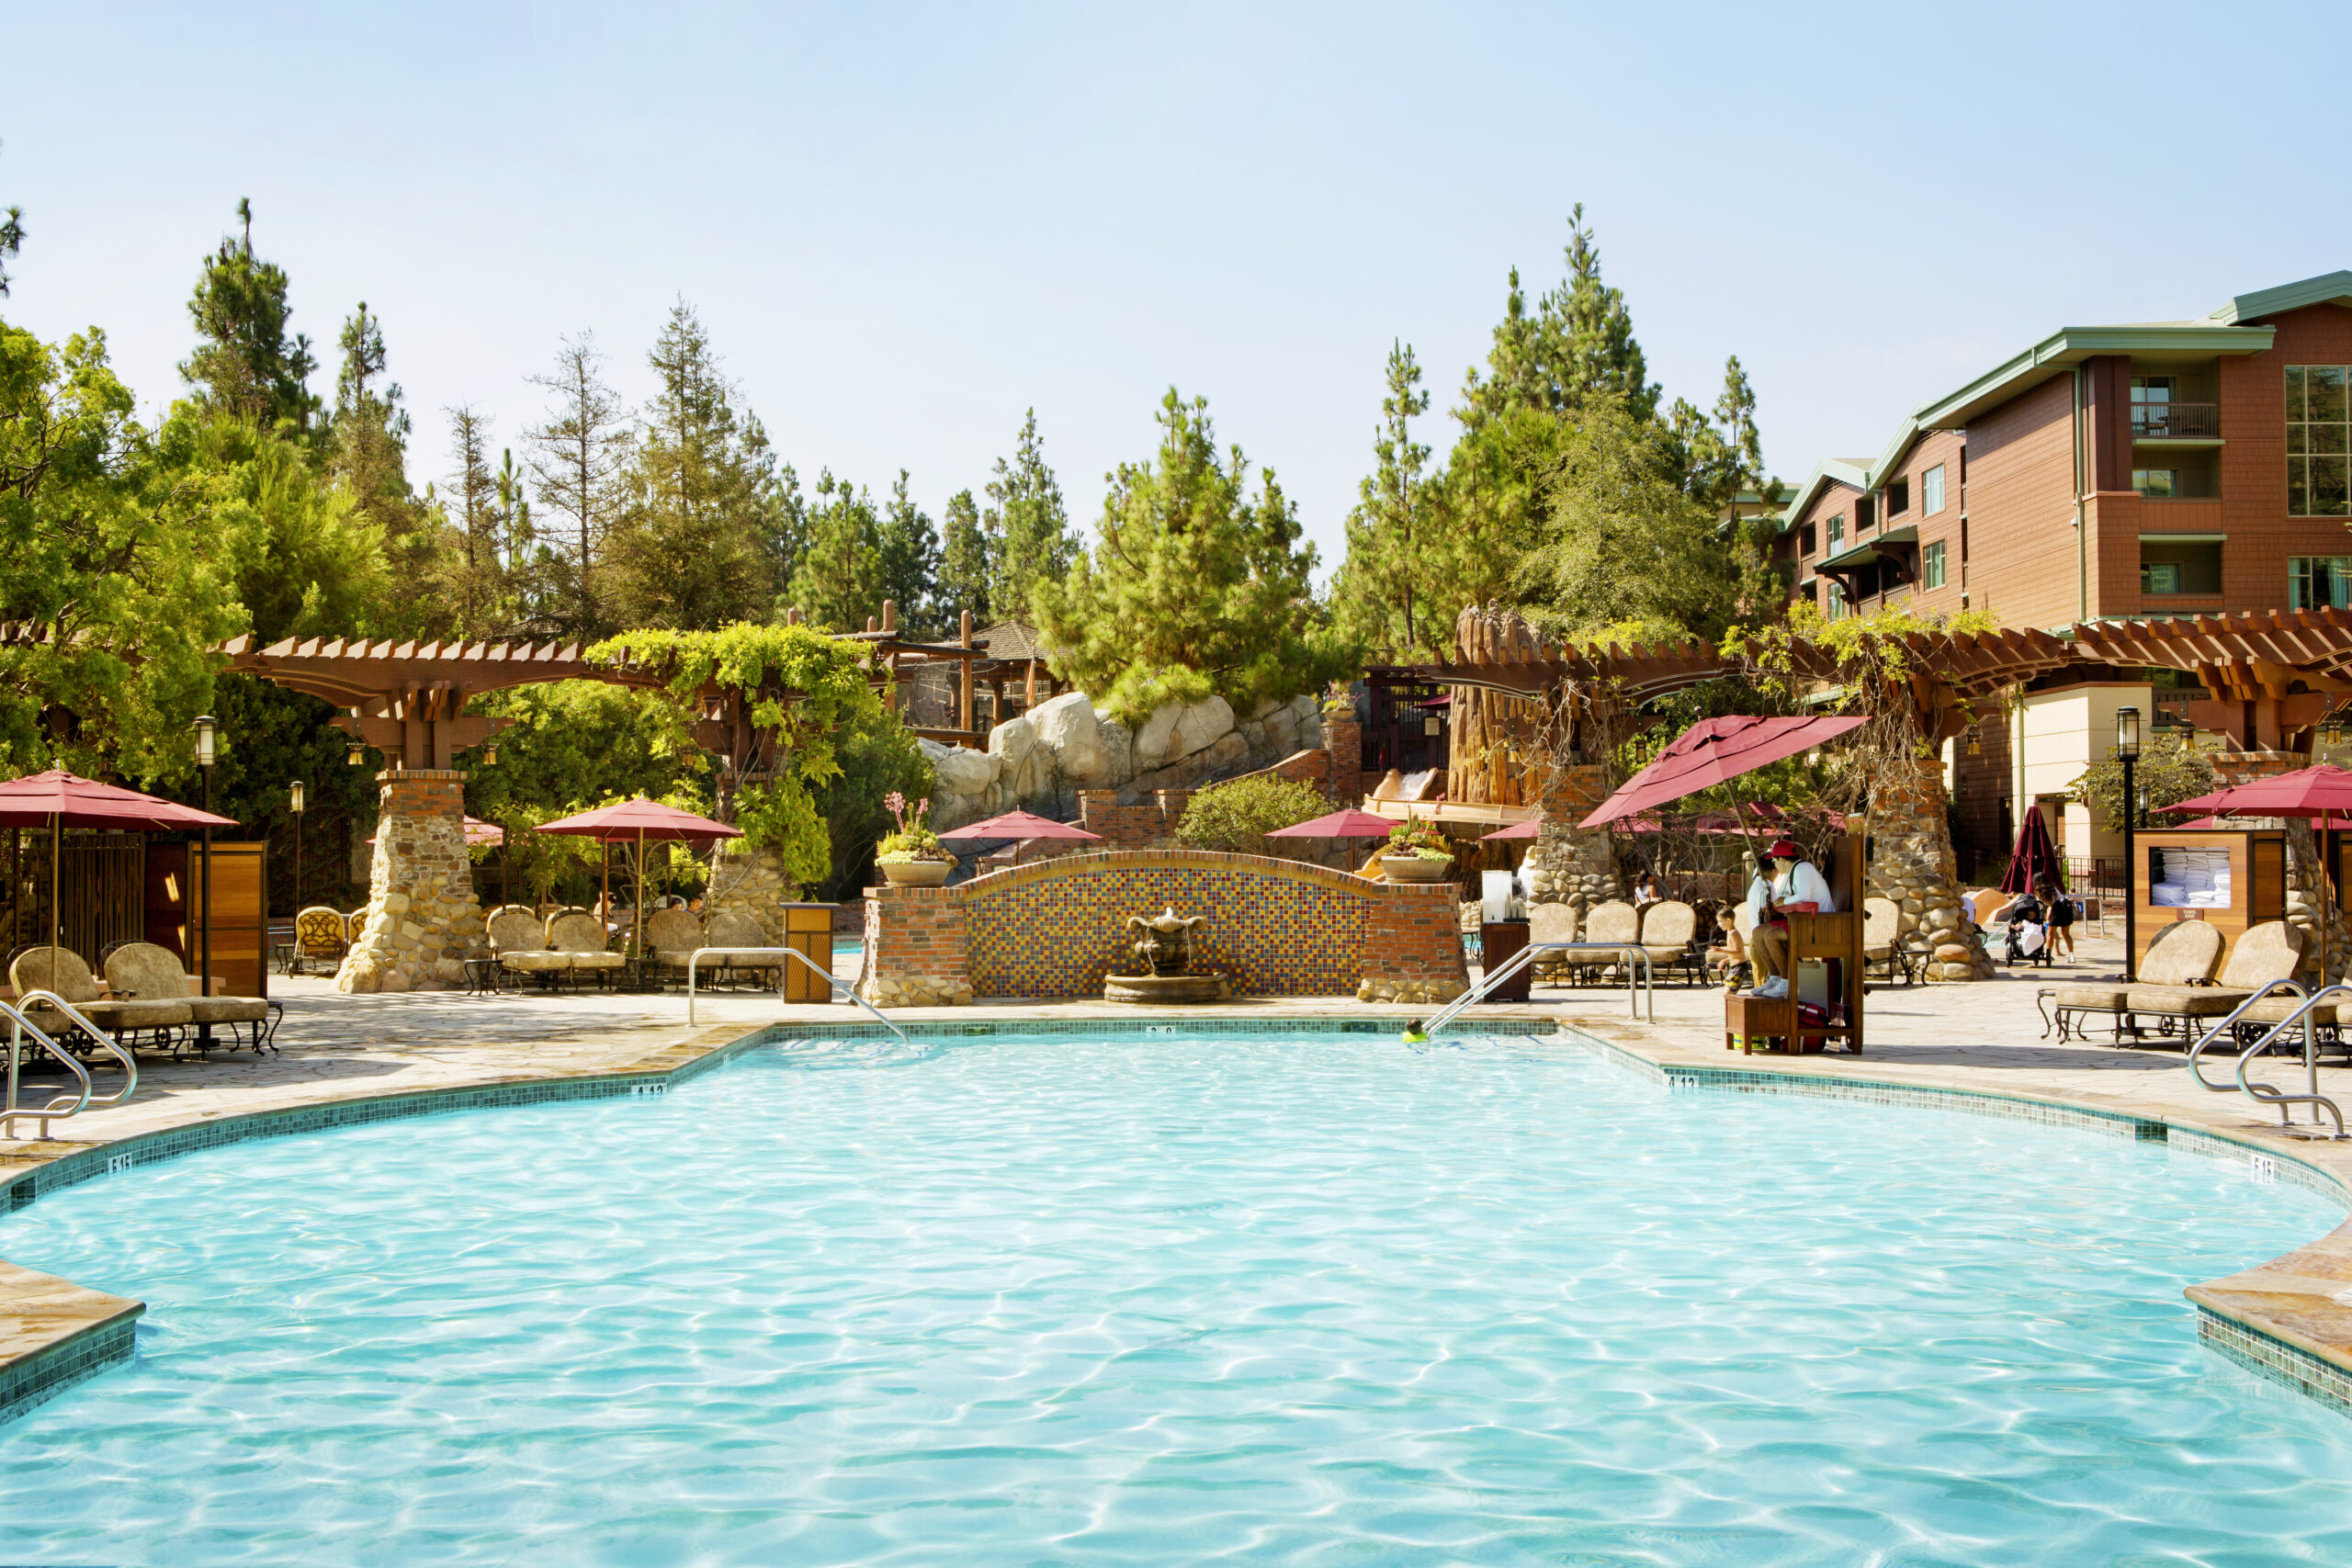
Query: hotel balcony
x=2175 y=421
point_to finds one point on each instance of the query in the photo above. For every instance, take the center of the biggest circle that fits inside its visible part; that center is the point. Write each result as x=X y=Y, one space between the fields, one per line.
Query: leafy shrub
x=1415 y=837
x=1237 y=815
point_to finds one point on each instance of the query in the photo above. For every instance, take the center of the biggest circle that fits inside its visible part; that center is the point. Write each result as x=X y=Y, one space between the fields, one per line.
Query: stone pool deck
x=356 y=1053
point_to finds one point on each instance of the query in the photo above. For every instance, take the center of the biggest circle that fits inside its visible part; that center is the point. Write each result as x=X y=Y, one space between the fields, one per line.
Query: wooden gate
x=100 y=877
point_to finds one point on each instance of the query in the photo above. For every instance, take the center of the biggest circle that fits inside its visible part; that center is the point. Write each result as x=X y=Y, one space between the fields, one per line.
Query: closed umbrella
x=2033 y=859
x=58 y=800
x=639 y=821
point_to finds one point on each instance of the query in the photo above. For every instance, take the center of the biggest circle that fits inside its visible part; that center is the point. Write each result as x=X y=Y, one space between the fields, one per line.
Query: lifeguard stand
x=1753 y=1023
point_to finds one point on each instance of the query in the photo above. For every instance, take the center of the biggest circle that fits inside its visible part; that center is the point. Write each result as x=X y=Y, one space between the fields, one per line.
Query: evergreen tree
x=965 y=564
x=12 y=240
x=687 y=551
x=368 y=456
x=1030 y=528
x=472 y=507
x=911 y=563
x=783 y=535
x=246 y=367
x=1379 y=590
x=1722 y=456
x=1578 y=342
x=838 y=583
x=1194 y=586
x=579 y=458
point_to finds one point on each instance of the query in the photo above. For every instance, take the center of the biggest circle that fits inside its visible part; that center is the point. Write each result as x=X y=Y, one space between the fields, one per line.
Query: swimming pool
x=1167 y=1299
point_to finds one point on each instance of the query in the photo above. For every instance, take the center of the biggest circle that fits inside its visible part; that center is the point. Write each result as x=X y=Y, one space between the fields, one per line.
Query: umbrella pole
x=637 y=916
x=604 y=912
x=56 y=910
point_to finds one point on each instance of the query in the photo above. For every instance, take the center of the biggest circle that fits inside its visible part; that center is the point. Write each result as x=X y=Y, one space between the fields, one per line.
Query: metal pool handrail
x=2263 y=1093
x=1527 y=956
x=700 y=953
x=57 y=1109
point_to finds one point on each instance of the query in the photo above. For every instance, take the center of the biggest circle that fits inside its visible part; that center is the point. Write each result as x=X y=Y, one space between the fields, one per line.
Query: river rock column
x=422 y=917
x=1913 y=866
x=748 y=879
x=1572 y=866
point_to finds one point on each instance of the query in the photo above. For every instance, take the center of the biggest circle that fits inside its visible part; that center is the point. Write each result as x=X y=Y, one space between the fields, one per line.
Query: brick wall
x=1280 y=928
x=2021 y=562
x=1145 y=823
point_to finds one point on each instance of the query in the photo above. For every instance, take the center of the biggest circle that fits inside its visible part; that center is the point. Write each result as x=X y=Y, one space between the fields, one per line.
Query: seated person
x=1786 y=883
x=1731 y=949
x=1644 y=890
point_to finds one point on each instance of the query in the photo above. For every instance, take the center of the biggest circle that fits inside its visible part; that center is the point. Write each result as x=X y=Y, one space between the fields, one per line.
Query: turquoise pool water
x=1173 y=1300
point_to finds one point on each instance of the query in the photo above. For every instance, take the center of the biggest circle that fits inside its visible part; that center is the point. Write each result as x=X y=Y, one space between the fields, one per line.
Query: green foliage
x=1195 y=584
x=579 y=458
x=910 y=551
x=879 y=757
x=2168 y=772
x=246 y=367
x=838 y=583
x=1394 y=539
x=115 y=601
x=306 y=561
x=573 y=742
x=965 y=564
x=1031 y=540
x=1415 y=837
x=1577 y=344
x=367 y=457
x=1237 y=815
x=12 y=240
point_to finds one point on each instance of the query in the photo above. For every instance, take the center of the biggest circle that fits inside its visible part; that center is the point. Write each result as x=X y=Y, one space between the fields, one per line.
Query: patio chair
x=1881 y=937
x=2182 y=956
x=578 y=938
x=734 y=929
x=1666 y=931
x=1616 y=920
x=670 y=938
x=2265 y=955
x=518 y=943
x=1551 y=922
x=60 y=969
x=144 y=972
x=318 y=934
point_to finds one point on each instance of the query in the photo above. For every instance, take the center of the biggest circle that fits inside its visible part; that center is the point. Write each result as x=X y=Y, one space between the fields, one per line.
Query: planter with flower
x=912 y=857
x=1415 y=853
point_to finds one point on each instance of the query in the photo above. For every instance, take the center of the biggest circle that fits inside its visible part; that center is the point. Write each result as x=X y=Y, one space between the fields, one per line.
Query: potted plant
x=912 y=856
x=1415 y=853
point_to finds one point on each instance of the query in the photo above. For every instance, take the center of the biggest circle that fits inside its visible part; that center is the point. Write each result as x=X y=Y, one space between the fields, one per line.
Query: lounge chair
x=1882 y=953
x=140 y=971
x=2259 y=960
x=1666 y=930
x=671 y=937
x=60 y=970
x=734 y=929
x=518 y=943
x=1551 y=922
x=1616 y=920
x=319 y=933
x=578 y=938
x=2182 y=957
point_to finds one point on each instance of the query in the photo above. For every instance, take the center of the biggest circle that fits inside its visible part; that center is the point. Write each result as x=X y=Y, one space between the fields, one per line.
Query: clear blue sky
x=904 y=225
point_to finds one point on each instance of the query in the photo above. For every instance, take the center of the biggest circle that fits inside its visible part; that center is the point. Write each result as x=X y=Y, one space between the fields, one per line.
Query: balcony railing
x=2172 y=421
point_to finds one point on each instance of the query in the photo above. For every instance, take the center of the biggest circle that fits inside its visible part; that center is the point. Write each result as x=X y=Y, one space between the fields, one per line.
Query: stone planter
x=1413 y=868
x=916 y=872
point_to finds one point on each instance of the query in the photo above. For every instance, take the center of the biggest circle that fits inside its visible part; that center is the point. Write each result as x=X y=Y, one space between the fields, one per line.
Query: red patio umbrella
x=1022 y=825
x=1713 y=751
x=637 y=821
x=2034 y=857
x=1527 y=829
x=58 y=800
x=1350 y=823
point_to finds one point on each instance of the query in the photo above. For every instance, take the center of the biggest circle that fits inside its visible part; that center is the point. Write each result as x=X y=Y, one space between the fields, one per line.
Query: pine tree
x=1034 y=541
x=911 y=563
x=368 y=454
x=472 y=507
x=12 y=240
x=686 y=552
x=1378 y=590
x=1195 y=587
x=579 y=458
x=965 y=564
x=838 y=581
x=245 y=367
x=1578 y=342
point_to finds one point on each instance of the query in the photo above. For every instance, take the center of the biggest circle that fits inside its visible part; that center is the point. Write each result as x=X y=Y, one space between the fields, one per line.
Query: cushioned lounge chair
x=1551 y=922
x=2182 y=957
x=736 y=934
x=1882 y=954
x=518 y=943
x=143 y=972
x=2261 y=958
x=579 y=938
x=670 y=938
x=1616 y=920
x=320 y=936
x=60 y=970
x=1667 y=929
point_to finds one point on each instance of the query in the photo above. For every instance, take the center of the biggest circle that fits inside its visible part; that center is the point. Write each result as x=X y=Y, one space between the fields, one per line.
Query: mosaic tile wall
x=1059 y=936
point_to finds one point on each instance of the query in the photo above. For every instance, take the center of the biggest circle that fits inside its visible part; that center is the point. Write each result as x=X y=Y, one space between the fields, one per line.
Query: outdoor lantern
x=207 y=739
x=2127 y=732
x=1975 y=744
x=2332 y=731
x=294 y=795
x=1429 y=725
x=354 y=760
x=489 y=755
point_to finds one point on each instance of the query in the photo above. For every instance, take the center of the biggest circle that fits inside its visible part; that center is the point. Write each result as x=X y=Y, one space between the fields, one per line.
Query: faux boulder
x=1201 y=725
x=1067 y=729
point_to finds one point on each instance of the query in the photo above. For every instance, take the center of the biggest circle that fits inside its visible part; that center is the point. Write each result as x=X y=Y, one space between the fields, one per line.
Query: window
x=1931 y=565
x=2151 y=405
x=1837 y=533
x=1865 y=512
x=1835 y=607
x=2178 y=564
x=2319 y=440
x=1898 y=498
x=1805 y=540
x=1931 y=491
x=2319 y=583
x=2158 y=484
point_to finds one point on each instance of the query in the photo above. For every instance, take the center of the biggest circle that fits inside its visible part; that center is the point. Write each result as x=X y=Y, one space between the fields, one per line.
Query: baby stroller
x=2029 y=933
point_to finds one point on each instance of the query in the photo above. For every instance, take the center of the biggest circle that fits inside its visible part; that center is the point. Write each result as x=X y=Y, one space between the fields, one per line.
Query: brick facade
x=1277 y=927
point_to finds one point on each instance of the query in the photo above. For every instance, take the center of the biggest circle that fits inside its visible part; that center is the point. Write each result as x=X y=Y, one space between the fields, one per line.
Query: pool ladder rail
x=1627 y=950
x=2269 y=1094
x=726 y=954
x=63 y=1106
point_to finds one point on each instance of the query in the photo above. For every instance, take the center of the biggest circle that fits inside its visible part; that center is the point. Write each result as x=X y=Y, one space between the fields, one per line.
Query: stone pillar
x=1914 y=866
x=748 y=879
x=915 y=951
x=421 y=914
x=1412 y=945
x=1576 y=866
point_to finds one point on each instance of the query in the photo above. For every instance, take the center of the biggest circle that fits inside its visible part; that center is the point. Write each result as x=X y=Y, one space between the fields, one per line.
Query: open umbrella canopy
x=636 y=820
x=1348 y=824
x=68 y=800
x=2034 y=859
x=1713 y=751
x=1526 y=829
x=1022 y=825
x=2324 y=788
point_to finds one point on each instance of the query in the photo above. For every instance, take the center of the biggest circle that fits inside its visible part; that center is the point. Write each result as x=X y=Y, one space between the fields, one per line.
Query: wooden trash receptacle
x=1500 y=941
x=808 y=931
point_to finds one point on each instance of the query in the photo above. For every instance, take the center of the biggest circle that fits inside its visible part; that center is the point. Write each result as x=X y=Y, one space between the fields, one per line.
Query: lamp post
x=207 y=743
x=294 y=796
x=2126 y=751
